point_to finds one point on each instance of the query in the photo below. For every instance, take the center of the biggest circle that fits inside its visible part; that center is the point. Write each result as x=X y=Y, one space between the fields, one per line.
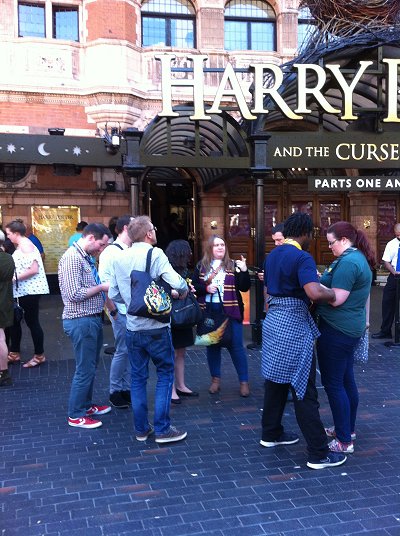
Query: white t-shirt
x=391 y=252
x=36 y=284
x=218 y=281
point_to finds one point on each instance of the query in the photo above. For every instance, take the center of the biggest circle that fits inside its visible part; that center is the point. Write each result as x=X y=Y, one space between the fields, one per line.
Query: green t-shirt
x=352 y=273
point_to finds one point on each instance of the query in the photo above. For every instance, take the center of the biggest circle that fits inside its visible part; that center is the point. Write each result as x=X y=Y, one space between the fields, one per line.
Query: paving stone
x=59 y=481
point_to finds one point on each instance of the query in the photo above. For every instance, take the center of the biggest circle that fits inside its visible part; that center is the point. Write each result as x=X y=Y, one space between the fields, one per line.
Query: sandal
x=14 y=357
x=35 y=361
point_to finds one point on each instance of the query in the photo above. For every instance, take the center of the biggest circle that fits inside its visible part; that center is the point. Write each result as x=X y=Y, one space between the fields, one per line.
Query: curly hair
x=298 y=224
x=179 y=253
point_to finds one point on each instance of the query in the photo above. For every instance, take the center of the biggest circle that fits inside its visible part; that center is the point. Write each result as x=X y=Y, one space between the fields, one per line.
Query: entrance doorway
x=171 y=205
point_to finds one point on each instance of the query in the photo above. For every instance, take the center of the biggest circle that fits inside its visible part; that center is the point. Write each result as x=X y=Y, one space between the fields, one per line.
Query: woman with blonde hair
x=29 y=284
x=218 y=281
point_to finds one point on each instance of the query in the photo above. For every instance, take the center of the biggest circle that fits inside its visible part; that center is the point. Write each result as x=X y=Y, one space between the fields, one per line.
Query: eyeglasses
x=330 y=244
x=153 y=229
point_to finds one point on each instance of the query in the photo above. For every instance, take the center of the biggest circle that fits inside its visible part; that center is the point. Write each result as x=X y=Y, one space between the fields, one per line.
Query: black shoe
x=117 y=400
x=176 y=401
x=126 y=395
x=287 y=438
x=381 y=335
x=333 y=459
x=5 y=378
x=183 y=393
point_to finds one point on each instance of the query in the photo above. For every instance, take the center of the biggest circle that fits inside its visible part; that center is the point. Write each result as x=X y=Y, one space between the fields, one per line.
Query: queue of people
x=291 y=333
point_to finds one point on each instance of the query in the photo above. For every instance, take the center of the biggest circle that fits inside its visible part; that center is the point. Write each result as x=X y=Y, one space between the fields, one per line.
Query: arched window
x=169 y=23
x=250 y=25
x=305 y=28
x=11 y=173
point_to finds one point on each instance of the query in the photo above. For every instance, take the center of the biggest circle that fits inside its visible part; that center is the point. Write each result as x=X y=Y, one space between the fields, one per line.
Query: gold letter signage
x=311 y=82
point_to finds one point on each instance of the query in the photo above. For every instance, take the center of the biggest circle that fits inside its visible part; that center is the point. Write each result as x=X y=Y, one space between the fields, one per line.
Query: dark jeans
x=389 y=304
x=336 y=357
x=307 y=415
x=30 y=304
x=236 y=350
x=154 y=344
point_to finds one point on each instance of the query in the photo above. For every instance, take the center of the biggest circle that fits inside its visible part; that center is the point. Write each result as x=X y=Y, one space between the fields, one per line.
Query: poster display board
x=53 y=226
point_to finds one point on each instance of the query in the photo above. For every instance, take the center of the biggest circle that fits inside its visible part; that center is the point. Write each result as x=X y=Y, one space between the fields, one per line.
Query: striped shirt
x=75 y=277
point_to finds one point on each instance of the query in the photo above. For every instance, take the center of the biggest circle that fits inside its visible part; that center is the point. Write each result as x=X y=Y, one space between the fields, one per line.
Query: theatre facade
x=210 y=116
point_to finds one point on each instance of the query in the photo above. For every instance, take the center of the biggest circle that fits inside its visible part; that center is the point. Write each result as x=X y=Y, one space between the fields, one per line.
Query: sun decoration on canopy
x=350 y=17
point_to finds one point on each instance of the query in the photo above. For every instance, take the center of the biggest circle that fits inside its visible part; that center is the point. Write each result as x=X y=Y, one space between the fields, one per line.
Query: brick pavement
x=56 y=480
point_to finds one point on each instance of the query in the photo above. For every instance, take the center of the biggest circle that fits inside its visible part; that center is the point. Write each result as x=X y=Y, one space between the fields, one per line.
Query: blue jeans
x=154 y=344
x=236 y=349
x=336 y=358
x=120 y=375
x=86 y=334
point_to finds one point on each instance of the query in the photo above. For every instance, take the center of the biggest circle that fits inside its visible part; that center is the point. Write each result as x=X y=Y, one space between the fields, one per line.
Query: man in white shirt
x=391 y=261
x=120 y=376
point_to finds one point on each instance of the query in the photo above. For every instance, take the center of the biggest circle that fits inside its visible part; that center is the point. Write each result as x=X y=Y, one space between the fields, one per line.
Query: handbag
x=186 y=313
x=361 y=350
x=214 y=328
x=149 y=298
x=18 y=310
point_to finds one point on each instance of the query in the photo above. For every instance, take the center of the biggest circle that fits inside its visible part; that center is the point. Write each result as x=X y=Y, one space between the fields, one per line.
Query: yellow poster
x=53 y=226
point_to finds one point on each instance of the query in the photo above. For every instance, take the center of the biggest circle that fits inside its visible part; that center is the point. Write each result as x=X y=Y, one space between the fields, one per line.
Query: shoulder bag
x=149 y=298
x=214 y=327
x=18 y=310
x=186 y=313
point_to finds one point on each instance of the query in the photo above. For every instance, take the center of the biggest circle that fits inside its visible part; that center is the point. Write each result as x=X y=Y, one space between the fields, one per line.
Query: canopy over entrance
x=213 y=150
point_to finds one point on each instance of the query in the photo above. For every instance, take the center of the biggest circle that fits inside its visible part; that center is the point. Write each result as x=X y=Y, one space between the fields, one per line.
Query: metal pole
x=259 y=258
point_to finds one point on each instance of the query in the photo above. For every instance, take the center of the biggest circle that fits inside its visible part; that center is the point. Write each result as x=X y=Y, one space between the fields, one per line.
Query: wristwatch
x=113 y=312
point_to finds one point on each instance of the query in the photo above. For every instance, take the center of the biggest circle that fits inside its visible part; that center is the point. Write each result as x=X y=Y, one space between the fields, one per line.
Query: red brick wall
x=40 y=114
x=111 y=20
x=48 y=181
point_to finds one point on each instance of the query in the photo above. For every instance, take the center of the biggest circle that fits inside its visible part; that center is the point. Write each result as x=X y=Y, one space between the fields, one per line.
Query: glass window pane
x=262 y=36
x=65 y=23
x=13 y=172
x=235 y=35
x=387 y=217
x=182 y=35
x=305 y=207
x=153 y=32
x=330 y=213
x=31 y=22
x=239 y=220
x=270 y=217
x=249 y=9
x=183 y=7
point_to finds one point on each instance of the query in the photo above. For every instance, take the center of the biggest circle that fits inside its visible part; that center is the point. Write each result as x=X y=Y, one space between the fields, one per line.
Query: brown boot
x=214 y=387
x=244 y=389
